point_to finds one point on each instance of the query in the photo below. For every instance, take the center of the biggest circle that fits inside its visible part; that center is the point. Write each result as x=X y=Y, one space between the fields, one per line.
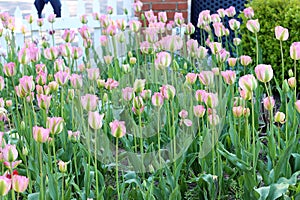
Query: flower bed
x=155 y=115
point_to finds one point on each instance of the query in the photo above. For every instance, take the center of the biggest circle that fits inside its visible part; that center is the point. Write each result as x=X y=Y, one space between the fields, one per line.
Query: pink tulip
x=146 y=94
x=279 y=117
x=264 y=73
x=62 y=166
x=95 y=120
x=83 y=19
x=183 y=114
x=68 y=35
x=74 y=135
x=111 y=84
x=135 y=25
x=178 y=19
x=205 y=16
x=234 y=24
x=137 y=6
x=112 y=29
x=20 y=183
x=269 y=103
x=238 y=111
x=44 y=101
x=40 y=134
x=231 y=62
x=237 y=41
x=191 y=78
x=93 y=73
x=163 y=60
x=192 y=46
x=51 y=18
x=221 y=12
x=162 y=17
x=168 y=91
x=200 y=95
x=41 y=78
x=127 y=93
x=103 y=40
x=206 y=77
x=201 y=52
x=84 y=32
x=215 y=47
x=55 y=124
x=186 y=122
x=211 y=100
x=62 y=77
x=9 y=153
x=215 y=18
x=24 y=56
x=292 y=82
x=9 y=69
x=295 y=51
x=53 y=86
x=76 y=81
x=5 y=185
x=89 y=102
x=12 y=165
x=40 y=68
x=157 y=99
x=117 y=128
x=219 y=29
x=281 y=33
x=248 y=12
x=229 y=76
x=213 y=119
x=230 y=11
x=40 y=22
x=26 y=84
x=199 y=111
x=138 y=105
x=253 y=25
x=66 y=51
x=51 y=53
x=222 y=56
x=76 y=52
x=248 y=82
x=245 y=60
x=245 y=94
x=2 y=83
x=297 y=105
x=139 y=85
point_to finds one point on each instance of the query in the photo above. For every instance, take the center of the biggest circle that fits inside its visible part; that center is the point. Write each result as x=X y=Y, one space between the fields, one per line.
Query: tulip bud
x=23 y=126
x=25 y=151
x=285 y=86
x=291 y=73
x=238 y=111
x=292 y=82
x=62 y=166
x=279 y=117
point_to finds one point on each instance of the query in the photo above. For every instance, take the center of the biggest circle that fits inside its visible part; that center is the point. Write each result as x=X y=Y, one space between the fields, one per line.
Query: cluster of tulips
x=58 y=107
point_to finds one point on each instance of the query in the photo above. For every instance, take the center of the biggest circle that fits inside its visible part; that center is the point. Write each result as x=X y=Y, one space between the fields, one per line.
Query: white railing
x=68 y=21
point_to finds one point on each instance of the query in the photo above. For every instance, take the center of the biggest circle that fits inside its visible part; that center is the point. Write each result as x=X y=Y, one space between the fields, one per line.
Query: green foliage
x=272 y=13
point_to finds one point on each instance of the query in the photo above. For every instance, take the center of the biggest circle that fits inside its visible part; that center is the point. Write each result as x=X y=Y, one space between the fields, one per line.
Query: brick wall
x=170 y=6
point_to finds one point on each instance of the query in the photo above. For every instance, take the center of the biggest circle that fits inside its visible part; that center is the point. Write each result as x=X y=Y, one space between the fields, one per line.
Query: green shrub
x=272 y=13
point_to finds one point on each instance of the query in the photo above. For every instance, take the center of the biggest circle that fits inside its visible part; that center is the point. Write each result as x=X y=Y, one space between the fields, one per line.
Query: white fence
x=71 y=22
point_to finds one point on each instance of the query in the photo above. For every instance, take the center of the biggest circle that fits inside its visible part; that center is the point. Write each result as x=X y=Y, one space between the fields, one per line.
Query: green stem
x=62 y=186
x=141 y=143
x=256 y=39
x=41 y=172
x=117 y=169
x=282 y=61
x=253 y=137
x=95 y=164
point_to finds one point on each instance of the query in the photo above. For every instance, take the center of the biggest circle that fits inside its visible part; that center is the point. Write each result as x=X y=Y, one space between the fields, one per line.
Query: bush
x=272 y=13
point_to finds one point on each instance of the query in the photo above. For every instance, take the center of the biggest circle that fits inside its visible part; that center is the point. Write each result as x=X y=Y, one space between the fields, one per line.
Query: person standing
x=56 y=5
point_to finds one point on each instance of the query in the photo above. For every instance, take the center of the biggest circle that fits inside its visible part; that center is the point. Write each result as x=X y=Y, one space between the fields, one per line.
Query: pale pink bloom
x=162 y=17
x=157 y=99
x=214 y=119
x=200 y=95
x=96 y=16
x=53 y=85
x=146 y=94
x=83 y=19
x=68 y=35
x=41 y=78
x=103 y=40
x=84 y=32
x=51 y=18
x=253 y=25
x=111 y=84
x=151 y=35
x=191 y=78
x=108 y=59
x=74 y=135
x=222 y=56
x=111 y=29
x=199 y=111
x=104 y=21
x=93 y=73
x=234 y=24
x=292 y=82
x=5 y=185
x=269 y=103
x=186 y=122
x=281 y=33
x=189 y=29
x=137 y=6
x=170 y=25
x=248 y=82
x=206 y=77
x=29 y=18
x=171 y=43
x=279 y=117
x=237 y=41
x=40 y=22
x=211 y=100
x=215 y=47
x=147 y=48
x=76 y=52
x=264 y=73
x=230 y=11
x=121 y=24
x=229 y=76
x=297 y=105
x=26 y=84
x=168 y=91
x=183 y=114
x=163 y=60
x=62 y=77
x=89 y=102
x=55 y=124
x=135 y=25
x=127 y=93
x=295 y=51
x=245 y=60
x=9 y=69
x=231 y=61
x=201 y=52
x=9 y=153
x=117 y=128
x=51 y=53
x=215 y=18
x=20 y=183
x=65 y=50
x=12 y=165
x=95 y=119
x=221 y=12
x=40 y=68
x=62 y=166
x=2 y=83
x=219 y=29
x=245 y=94
x=248 y=12
x=138 y=105
x=238 y=111
x=8 y=103
x=205 y=16
x=192 y=46
x=76 y=81
x=24 y=56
